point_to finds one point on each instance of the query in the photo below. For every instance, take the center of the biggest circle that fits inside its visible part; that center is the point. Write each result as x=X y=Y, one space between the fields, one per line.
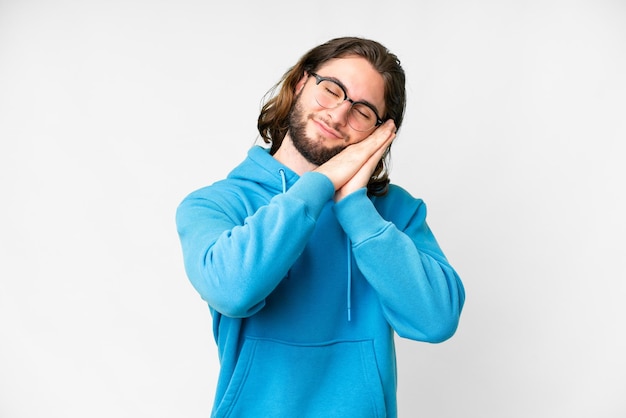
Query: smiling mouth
x=327 y=130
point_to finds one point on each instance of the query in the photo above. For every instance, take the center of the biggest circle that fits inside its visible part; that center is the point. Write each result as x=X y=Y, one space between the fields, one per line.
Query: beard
x=314 y=151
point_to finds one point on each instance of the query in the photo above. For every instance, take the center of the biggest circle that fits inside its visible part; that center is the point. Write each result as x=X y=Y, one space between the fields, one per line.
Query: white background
x=112 y=111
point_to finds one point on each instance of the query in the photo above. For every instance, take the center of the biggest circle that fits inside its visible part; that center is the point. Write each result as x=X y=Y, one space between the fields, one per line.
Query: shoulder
x=223 y=198
x=400 y=206
x=398 y=198
x=215 y=191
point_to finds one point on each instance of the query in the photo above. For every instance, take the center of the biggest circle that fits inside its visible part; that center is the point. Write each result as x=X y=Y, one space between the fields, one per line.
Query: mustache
x=333 y=125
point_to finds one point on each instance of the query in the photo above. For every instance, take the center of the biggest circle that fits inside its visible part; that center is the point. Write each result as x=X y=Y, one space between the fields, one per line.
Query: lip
x=328 y=131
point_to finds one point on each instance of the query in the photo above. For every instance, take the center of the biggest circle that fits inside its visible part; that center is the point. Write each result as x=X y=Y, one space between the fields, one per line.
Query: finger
x=384 y=146
x=375 y=144
x=383 y=133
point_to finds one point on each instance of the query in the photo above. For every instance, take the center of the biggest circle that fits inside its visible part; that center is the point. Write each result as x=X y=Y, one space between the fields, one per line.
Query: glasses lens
x=362 y=117
x=329 y=94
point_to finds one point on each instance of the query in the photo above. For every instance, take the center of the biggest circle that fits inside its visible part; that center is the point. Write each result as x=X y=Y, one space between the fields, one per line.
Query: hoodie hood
x=260 y=167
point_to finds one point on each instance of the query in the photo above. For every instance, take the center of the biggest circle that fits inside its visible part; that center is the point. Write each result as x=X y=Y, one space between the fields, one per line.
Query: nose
x=339 y=114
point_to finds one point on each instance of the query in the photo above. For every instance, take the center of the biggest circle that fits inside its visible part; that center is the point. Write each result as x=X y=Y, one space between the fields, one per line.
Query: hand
x=352 y=168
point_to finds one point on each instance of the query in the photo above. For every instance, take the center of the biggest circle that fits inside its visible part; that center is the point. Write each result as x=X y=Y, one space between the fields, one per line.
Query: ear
x=300 y=84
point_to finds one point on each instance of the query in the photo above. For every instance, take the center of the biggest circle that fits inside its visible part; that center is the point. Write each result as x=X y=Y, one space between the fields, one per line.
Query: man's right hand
x=352 y=168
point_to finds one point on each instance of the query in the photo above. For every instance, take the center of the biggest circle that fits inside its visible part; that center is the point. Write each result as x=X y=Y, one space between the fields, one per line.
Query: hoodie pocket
x=279 y=379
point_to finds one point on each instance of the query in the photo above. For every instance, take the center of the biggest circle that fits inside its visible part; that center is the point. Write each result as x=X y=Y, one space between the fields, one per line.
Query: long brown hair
x=273 y=122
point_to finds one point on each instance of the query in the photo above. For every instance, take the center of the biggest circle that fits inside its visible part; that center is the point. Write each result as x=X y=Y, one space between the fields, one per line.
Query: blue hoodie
x=306 y=294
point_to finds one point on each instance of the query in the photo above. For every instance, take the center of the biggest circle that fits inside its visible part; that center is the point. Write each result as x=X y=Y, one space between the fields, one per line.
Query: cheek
x=309 y=103
x=356 y=137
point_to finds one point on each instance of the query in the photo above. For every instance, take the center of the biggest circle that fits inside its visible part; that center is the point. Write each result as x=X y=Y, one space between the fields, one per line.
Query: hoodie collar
x=260 y=167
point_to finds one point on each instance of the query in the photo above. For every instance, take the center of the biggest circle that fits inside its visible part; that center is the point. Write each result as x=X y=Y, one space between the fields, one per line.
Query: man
x=307 y=256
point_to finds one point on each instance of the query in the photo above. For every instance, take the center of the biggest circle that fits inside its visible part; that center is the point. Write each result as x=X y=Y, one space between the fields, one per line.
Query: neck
x=288 y=155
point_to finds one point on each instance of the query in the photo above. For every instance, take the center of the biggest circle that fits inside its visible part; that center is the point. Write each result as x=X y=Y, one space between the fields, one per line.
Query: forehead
x=361 y=80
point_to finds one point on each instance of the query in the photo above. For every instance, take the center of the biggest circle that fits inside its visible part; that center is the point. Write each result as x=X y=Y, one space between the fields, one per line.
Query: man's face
x=319 y=133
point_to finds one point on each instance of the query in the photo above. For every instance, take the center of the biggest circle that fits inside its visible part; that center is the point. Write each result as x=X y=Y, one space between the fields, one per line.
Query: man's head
x=372 y=84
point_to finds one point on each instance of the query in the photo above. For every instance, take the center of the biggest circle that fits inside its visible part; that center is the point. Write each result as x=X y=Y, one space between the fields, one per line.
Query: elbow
x=225 y=293
x=432 y=327
x=230 y=301
x=235 y=307
x=443 y=329
x=445 y=323
x=435 y=332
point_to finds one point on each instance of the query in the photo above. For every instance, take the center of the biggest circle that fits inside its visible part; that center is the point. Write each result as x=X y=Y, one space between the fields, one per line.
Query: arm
x=235 y=261
x=420 y=293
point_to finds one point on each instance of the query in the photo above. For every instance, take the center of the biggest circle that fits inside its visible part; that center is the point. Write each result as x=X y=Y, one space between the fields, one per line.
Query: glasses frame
x=319 y=79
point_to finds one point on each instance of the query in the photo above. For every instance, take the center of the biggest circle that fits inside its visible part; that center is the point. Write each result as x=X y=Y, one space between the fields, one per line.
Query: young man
x=308 y=258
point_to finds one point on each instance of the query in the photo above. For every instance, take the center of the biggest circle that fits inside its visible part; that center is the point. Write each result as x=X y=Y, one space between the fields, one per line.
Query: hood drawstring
x=348 y=249
x=349 y=279
x=284 y=180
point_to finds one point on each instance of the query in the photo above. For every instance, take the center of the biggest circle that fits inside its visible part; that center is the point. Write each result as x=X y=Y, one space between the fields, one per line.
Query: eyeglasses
x=330 y=94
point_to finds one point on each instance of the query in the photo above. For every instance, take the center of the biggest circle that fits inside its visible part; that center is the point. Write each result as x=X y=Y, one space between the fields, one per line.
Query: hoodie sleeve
x=234 y=260
x=420 y=293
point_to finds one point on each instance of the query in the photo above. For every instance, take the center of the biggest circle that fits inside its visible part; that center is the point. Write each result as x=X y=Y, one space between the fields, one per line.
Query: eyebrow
x=345 y=89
